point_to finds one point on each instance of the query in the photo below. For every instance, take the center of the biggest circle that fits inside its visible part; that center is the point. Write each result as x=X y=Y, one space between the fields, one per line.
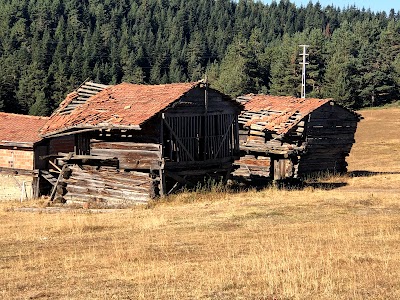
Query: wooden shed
x=133 y=142
x=287 y=137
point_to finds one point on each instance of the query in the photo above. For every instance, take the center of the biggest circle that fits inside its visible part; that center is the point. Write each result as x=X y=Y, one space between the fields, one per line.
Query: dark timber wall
x=330 y=137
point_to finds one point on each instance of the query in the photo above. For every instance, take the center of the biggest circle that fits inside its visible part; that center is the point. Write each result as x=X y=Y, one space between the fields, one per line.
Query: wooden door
x=199 y=137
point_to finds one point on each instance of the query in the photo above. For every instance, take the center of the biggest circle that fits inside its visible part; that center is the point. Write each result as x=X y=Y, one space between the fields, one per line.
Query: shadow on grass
x=317 y=181
x=326 y=185
x=289 y=184
x=362 y=173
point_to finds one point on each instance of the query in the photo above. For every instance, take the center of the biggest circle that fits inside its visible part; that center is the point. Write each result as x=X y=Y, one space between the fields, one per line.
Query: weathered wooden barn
x=287 y=137
x=130 y=142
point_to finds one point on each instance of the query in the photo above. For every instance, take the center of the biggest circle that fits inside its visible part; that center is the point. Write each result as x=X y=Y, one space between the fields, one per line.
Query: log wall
x=330 y=137
x=107 y=186
x=250 y=166
x=131 y=156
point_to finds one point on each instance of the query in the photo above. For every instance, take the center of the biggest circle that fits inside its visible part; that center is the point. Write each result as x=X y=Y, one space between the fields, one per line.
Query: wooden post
x=206 y=95
x=23 y=191
x=162 y=179
x=35 y=187
x=53 y=191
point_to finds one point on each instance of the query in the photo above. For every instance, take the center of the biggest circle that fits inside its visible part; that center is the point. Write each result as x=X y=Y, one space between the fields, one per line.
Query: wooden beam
x=178 y=139
x=17 y=144
x=174 y=188
x=53 y=191
x=55 y=166
x=224 y=138
x=93 y=84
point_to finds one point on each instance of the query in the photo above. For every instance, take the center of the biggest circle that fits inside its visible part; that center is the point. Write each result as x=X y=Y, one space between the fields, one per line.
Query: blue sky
x=374 y=5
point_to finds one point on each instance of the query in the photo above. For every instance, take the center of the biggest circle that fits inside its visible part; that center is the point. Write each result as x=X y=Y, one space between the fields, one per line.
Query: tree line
x=49 y=47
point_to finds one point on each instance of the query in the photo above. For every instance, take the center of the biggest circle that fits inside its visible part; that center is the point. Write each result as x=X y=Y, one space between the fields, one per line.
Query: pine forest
x=49 y=47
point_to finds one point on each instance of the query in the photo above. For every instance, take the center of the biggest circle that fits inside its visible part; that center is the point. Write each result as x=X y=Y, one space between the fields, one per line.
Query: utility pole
x=206 y=94
x=303 y=75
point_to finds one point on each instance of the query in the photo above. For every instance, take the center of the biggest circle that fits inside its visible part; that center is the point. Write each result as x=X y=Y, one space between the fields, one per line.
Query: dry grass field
x=338 y=238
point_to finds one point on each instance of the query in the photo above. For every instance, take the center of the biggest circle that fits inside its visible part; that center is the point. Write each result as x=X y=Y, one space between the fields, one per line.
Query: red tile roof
x=277 y=113
x=124 y=105
x=20 y=128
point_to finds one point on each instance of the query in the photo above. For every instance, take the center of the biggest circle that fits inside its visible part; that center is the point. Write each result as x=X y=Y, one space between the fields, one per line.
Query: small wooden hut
x=133 y=142
x=287 y=137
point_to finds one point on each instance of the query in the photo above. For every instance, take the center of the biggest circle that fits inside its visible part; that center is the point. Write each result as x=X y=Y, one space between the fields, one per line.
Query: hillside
x=48 y=48
x=335 y=239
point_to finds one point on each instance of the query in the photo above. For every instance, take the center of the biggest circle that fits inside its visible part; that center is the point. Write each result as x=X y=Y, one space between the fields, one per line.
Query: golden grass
x=337 y=239
x=377 y=145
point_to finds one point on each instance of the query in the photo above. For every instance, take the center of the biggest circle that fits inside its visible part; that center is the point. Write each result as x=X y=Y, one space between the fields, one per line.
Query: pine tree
x=40 y=106
x=30 y=84
x=285 y=70
x=340 y=80
x=388 y=52
x=196 y=54
x=238 y=73
x=176 y=71
x=8 y=85
x=116 y=41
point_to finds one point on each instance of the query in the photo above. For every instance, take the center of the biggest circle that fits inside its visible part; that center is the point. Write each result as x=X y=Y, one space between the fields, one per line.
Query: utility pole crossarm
x=303 y=75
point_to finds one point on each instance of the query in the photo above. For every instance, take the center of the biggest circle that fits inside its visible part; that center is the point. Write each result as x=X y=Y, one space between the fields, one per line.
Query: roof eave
x=17 y=144
x=86 y=128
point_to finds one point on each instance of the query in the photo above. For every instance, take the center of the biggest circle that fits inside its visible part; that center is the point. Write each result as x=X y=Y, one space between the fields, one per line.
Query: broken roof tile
x=110 y=106
x=278 y=113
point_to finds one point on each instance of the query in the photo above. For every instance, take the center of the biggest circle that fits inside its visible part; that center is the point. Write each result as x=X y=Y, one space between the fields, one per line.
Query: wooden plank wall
x=252 y=166
x=63 y=144
x=131 y=156
x=199 y=138
x=330 y=137
x=131 y=179
x=107 y=186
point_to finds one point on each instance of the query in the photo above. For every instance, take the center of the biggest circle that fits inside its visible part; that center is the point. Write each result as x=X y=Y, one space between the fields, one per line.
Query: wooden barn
x=287 y=137
x=128 y=143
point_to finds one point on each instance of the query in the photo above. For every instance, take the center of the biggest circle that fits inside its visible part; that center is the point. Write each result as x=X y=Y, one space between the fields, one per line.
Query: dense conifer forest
x=49 y=47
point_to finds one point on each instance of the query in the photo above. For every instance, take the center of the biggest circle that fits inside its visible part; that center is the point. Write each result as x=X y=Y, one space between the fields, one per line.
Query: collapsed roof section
x=122 y=106
x=277 y=114
x=79 y=96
